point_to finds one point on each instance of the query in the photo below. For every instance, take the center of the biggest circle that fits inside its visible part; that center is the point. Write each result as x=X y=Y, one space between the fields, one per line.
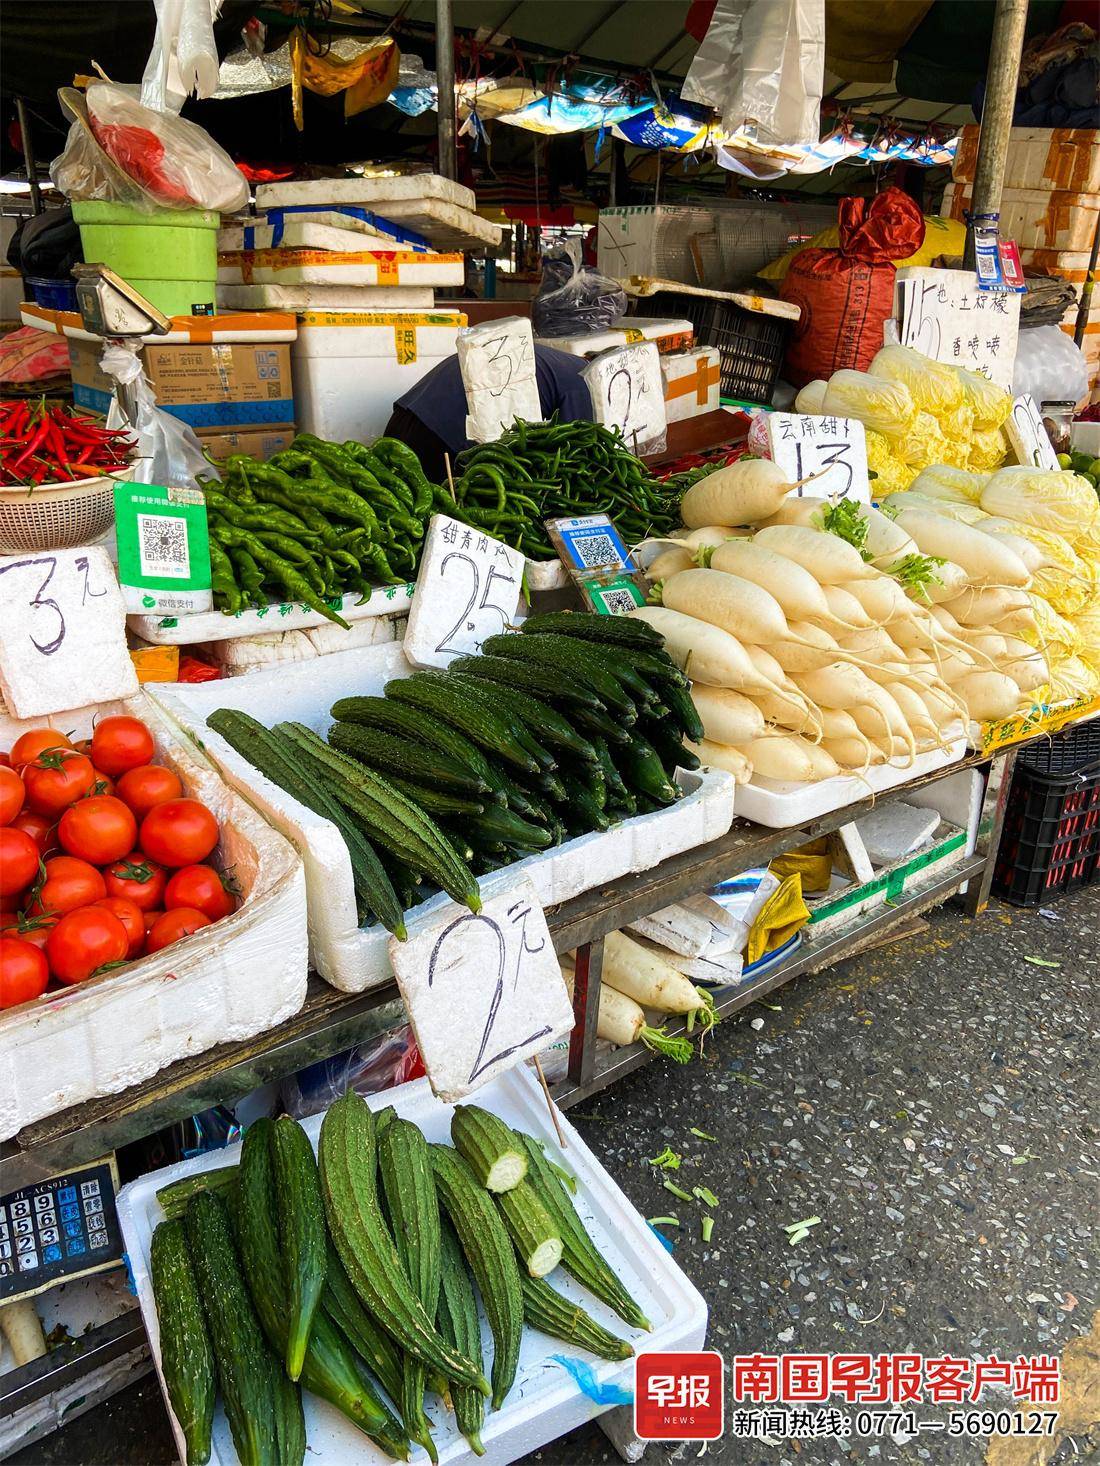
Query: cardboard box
x=211 y=386
x=262 y=443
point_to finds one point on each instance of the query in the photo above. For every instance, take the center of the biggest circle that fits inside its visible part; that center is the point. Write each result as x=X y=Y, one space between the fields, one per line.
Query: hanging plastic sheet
x=184 y=58
x=763 y=61
x=672 y=124
x=365 y=81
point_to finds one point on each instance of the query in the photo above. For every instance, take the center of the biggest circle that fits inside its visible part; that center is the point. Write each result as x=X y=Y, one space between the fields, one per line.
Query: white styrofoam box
x=545 y=1402
x=386 y=600
x=298 y=233
x=353 y=958
x=252 y=327
x=1058 y=219
x=1038 y=157
x=1067 y=264
x=669 y=335
x=326 y=297
x=692 y=383
x=246 y=654
x=895 y=830
x=370 y=193
x=323 y=267
x=383 y=355
x=234 y=978
x=779 y=804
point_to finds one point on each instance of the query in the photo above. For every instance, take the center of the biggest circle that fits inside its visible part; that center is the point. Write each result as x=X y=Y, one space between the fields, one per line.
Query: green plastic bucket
x=170 y=256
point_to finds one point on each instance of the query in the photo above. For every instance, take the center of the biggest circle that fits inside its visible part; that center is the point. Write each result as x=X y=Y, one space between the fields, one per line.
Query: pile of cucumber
x=353 y=1273
x=568 y=727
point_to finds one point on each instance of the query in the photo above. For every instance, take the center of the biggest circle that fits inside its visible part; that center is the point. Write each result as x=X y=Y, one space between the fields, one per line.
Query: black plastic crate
x=751 y=344
x=1051 y=836
x=1065 y=752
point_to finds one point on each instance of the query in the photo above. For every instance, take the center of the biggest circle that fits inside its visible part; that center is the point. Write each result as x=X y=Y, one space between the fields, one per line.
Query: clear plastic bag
x=1049 y=366
x=168 y=452
x=171 y=163
x=390 y=1058
x=572 y=299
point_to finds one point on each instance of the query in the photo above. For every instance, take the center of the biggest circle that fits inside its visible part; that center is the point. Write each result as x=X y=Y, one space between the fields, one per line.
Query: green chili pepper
x=222 y=582
x=249 y=574
x=295 y=584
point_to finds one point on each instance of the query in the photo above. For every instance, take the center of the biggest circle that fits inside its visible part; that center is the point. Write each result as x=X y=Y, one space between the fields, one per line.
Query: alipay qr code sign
x=163 y=549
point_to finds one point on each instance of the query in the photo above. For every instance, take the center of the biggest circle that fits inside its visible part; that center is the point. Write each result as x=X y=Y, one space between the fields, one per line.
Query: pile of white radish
x=635 y=978
x=824 y=639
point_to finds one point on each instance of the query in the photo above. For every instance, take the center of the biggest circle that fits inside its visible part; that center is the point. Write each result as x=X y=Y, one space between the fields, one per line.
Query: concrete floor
x=935 y=1102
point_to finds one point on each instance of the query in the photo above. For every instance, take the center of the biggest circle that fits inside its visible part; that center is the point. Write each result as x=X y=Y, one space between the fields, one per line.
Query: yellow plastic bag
x=812 y=863
x=942 y=236
x=365 y=80
x=784 y=913
x=942 y=481
x=989 y=404
x=933 y=387
x=988 y=449
x=883 y=406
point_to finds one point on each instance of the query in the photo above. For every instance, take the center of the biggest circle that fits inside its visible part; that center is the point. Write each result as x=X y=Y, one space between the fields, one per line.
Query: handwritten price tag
x=483 y=992
x=64 y=632
x=831 y=451
x=468 y=589
x=943 y=314
x=1028 y=437
x=628 y=392
x=497 y=363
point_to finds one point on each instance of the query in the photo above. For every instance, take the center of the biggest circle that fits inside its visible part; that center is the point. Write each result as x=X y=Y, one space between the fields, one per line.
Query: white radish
x=886 y=541
x=857 y=752
x=704 y=652
x=727 y=716
x=844 y=607
x=790 y=759
x=985 y=605
x=669 y=562
x=988 y=695
x=796 y=590
x=986 y=560
x=708 y=535
x=741 y=493
x=829 y=559
x=810 y=646
x=951 y=580
x=805 y=510
x=789 y=709
x=643 y=974
x=722 y=756
x=736 y=605
x=880 y=600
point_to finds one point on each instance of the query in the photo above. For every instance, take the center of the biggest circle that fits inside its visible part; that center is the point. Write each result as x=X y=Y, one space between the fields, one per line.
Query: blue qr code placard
x=595 y=547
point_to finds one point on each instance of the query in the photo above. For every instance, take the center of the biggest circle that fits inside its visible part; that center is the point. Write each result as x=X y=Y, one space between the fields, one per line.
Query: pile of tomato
x=102 y=858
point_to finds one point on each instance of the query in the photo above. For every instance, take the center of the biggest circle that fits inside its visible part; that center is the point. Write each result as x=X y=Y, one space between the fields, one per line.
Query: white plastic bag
x=1049 y=366
x=168 y=452
x=763 y=62
x=184 y=58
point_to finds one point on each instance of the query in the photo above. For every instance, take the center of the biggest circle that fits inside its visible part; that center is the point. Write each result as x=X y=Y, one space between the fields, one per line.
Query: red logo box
x=679 y=1397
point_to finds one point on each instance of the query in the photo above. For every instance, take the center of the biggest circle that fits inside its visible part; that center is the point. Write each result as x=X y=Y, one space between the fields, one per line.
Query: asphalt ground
x=936 y=1103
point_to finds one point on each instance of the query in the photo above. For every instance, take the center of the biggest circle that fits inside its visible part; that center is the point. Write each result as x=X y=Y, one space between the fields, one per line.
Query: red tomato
x=23 y=972
x=144 y=788
x=172 y=925
x=104 y=784
x=57 y=779
x=33 y=929
x=149 y=917
x=181 y=832
x=121 y=743
x=12 y=794
x=84 y=941
x=130 y=914
x=99 y=829
x=138 y=880
x=18 y=860
x=69 y=883
x=5 y=760
x=28 y=746
x=39 y=827
x=202 y=889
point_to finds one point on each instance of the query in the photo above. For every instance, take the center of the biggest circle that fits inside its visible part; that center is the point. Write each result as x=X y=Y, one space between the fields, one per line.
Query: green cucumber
x=469 y=713
x=301 y=1215
x=388 y=754
x=546 y=1310
x=641 y=768
x=459 y=1324
x=174 y=1197
x=186 y=1360
x=531 y=1229
x=615 y=630
x=488 y=1147
x=551 y=727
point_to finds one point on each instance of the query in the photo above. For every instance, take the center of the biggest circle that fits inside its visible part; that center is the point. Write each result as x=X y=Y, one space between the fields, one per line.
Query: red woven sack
x=846 y=294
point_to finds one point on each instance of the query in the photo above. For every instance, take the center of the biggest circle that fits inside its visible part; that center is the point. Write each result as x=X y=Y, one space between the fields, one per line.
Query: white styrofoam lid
x=364 y=191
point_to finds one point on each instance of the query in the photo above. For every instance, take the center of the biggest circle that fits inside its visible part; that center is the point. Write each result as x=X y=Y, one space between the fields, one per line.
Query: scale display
x=58 y=1229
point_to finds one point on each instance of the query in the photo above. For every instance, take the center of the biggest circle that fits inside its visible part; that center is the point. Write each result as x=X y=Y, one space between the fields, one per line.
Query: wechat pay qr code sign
x=483 y=990
x=163 y=549
x=826 y=457
x=468 y=588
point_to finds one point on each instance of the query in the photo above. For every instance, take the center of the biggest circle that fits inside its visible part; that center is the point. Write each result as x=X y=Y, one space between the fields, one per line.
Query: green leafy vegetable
x=848 y=522
x=917 y=572
x=668 y=1160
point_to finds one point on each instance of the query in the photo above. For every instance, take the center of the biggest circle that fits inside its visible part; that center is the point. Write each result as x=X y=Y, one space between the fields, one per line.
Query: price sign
x=483 y=992
x=61 y=1228
x=64 y=632
x=628 y=393
x=829 y=451
x=468 y=589
x=944 y=315
x=497 y=362
x=1028 y=437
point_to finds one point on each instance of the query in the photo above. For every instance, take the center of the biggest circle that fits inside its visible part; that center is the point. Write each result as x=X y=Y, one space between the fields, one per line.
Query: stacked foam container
x=358 y=260
x=1049 y=205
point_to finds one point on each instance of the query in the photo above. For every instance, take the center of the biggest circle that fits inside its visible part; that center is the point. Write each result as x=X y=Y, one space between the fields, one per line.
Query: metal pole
x=28 y=154
x=1086 y=289
x=445 y=78
x=1002 y=74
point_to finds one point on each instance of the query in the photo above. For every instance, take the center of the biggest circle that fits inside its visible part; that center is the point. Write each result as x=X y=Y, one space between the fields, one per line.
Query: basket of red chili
x=57 y=474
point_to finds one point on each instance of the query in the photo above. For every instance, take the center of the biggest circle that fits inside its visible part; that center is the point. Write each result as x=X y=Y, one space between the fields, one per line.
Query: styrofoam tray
x=298 y=233
x=407 y=188
x=235 y=978
x=386 y=600
x=369 y=266
x=780 y=804
x=544 y=1403
x=353 y=958
x=326 y=297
